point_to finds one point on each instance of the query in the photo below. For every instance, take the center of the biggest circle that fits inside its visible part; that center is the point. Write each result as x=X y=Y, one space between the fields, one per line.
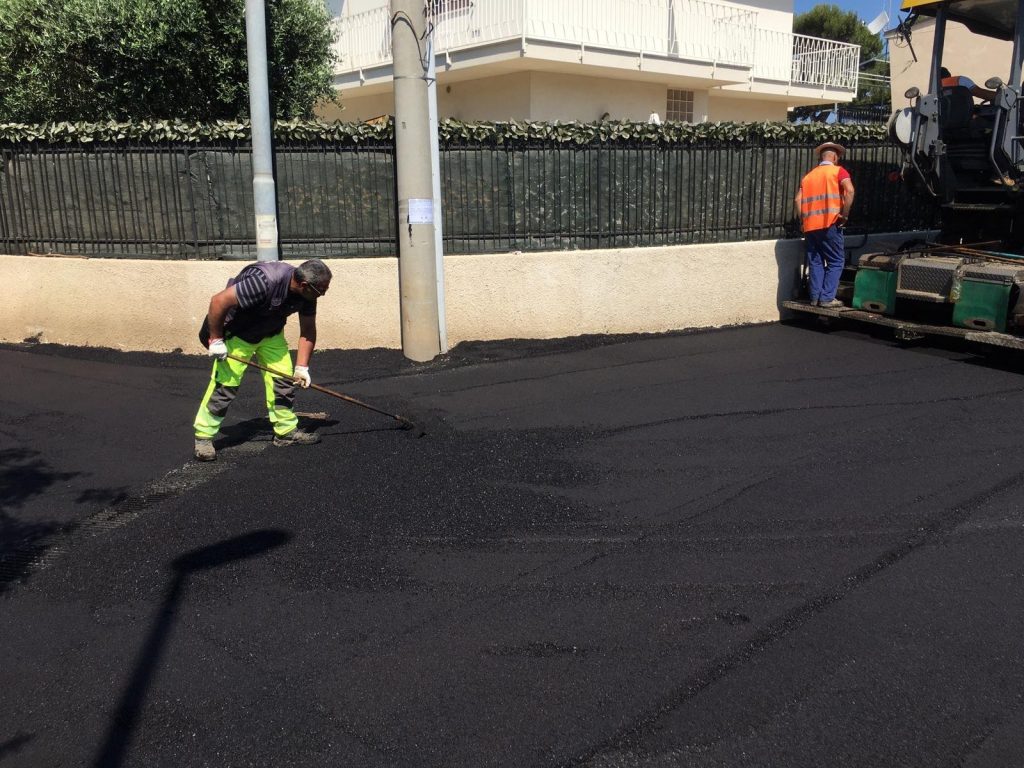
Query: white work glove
x=302 y=376
x=218 y=349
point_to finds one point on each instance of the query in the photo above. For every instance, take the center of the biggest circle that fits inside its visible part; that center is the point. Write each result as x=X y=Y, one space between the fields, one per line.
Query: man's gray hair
x=314 y=272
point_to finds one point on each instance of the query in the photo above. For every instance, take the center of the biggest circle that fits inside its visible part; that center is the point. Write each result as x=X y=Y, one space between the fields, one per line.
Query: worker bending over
x=247 y=318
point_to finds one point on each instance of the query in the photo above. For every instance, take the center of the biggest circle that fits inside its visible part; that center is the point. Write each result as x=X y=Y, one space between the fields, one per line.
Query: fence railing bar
x=4 y=227
x=136 y=219
x=30 y=200
x=62 y=210
x=48 y=208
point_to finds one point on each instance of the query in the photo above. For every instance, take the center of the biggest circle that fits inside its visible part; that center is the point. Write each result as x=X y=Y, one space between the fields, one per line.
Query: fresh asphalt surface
x=768 y=546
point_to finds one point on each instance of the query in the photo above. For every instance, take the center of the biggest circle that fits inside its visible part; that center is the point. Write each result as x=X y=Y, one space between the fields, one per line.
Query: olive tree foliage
x=75 y=60
x=833 y=23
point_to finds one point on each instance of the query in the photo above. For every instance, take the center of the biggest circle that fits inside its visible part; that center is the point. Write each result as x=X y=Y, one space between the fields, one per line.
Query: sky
x=865 y=9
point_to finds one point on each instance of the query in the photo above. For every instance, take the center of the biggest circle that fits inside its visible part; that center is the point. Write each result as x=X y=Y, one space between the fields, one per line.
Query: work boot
x=834 y=304
x=205 y=450
x=297 y=437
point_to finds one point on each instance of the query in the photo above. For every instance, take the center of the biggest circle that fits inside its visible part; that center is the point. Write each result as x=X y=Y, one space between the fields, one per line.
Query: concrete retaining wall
x=159 y=305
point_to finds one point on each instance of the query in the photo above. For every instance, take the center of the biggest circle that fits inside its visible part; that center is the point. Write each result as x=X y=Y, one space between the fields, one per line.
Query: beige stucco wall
x=553 y=96
x=963 y=53
x=553 y=295
x=357 y=109
x=557 y=96
x=504 y=97
x=722 y=110
x=534 y=95
x=159 y=305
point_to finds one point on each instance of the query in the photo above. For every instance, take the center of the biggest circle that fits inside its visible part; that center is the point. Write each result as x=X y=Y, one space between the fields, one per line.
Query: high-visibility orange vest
x=820 y=201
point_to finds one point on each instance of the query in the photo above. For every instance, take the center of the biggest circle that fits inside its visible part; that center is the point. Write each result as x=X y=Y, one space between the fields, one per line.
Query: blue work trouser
x=825 y=257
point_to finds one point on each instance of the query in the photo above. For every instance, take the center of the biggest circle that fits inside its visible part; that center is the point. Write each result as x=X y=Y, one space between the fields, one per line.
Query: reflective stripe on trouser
x=227 y=375
x=825 y=257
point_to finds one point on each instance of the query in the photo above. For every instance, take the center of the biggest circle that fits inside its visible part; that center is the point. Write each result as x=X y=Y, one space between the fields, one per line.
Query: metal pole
x=417 y=270
x=435 y=175
x=938 y=41
x=1018 y=49
x=263 y=190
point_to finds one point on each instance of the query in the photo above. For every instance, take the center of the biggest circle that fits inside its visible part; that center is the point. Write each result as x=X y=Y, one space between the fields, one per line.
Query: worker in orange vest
x=952 y=81
x=823 y=204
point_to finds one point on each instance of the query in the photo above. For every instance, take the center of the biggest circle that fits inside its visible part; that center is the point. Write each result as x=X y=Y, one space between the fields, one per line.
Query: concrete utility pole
x=417 y=270
x=263 y=190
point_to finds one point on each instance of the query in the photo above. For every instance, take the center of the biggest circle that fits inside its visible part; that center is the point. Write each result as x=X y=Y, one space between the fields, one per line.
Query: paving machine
x=969 y=158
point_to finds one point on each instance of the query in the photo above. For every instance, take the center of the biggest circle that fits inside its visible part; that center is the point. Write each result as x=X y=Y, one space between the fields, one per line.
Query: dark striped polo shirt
x=264 y=302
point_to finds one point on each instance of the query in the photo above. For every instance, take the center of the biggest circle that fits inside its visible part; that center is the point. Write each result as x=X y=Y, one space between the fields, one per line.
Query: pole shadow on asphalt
x=123 y=720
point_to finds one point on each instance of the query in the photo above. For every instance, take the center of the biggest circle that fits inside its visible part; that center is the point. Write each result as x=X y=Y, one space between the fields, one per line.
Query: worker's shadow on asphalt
x=244 y=432
x=258 y=429
x=13 y=746
x=23 y=475
x=123 y=720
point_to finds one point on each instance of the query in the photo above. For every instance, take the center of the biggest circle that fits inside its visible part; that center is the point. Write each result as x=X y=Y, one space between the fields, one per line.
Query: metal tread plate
x=1005 y=340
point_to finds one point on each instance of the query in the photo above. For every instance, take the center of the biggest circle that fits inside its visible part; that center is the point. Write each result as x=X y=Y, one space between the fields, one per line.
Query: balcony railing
x=693 y=30
x=698 y=30
x=824 y=62
x=803 y=60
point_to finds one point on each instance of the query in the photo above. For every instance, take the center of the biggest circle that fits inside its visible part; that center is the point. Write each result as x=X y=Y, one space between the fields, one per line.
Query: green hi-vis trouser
x=227 y=376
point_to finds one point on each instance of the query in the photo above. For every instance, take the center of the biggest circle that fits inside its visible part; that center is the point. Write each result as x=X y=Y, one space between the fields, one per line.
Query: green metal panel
x=875 y=291
x=982 y=306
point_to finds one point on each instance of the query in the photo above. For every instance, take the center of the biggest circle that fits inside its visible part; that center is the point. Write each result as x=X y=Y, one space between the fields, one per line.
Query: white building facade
x=588 y=60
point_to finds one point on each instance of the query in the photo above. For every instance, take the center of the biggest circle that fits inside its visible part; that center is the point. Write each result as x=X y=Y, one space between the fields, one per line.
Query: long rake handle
x=347 y=398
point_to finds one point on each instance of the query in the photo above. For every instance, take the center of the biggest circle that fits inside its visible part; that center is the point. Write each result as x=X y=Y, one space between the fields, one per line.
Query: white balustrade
x=825 y=62
x=363 y=40
x=693 y=30
x=464 y=24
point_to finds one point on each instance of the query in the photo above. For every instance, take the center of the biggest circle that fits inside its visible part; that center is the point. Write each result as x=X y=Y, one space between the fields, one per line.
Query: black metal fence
x=844 y=114
x=338 y=200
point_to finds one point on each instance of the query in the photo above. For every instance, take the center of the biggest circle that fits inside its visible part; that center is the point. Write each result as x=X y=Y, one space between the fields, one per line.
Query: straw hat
x=837 y=148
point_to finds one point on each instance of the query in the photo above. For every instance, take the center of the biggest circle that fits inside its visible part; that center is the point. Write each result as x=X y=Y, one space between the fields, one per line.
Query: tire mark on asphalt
x=612 y=431
x=449 y=614
x=976 y=742
x=935 y=529
x=602 y=367
x=632 y=391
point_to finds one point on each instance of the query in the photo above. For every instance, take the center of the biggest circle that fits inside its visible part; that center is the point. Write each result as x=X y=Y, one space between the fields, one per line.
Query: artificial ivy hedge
x=451 y=132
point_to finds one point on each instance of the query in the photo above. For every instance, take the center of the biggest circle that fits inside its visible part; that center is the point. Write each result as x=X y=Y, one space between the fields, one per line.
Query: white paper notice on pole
x=266 y=230
x=421 y=210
